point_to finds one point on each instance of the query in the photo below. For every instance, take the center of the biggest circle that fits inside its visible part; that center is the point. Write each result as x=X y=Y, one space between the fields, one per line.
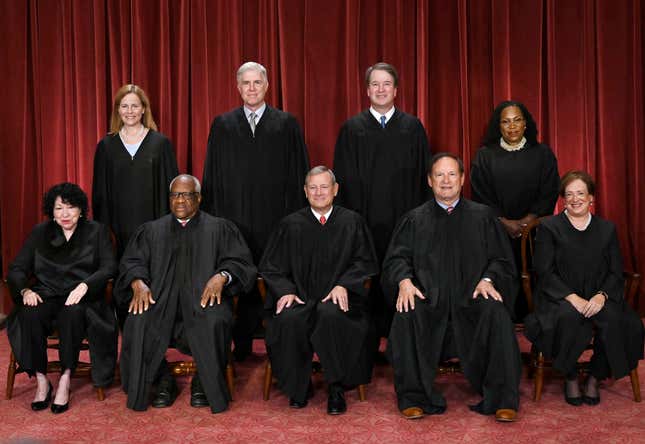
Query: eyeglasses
x=515 y=121
x=185 y=195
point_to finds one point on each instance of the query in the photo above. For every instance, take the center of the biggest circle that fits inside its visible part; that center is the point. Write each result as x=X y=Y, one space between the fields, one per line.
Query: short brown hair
x=382 y=66
x=115 y=121
x=577 y=174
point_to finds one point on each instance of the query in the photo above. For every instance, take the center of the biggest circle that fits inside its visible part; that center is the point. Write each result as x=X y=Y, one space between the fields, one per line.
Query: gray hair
x=252 y=66
x=198 y=186
x=319 y=170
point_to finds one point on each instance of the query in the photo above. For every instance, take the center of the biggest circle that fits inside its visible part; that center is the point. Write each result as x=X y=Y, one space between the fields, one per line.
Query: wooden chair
x=268 y=372
x=83 y=369
x=538 y=362
x=189 y=368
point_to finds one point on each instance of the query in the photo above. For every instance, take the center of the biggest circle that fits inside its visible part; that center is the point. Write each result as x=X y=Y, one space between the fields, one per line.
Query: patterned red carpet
x=251 y=420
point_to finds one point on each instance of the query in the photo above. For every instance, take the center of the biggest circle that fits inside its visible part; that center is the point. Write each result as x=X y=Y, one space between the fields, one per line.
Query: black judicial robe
x=308 y=259
x=382 y=171
x=127 y=191
x=516 y=183
x=568 y=261
x=176 y=263
x=446 y=256
x=254 y=181
x=52 y=267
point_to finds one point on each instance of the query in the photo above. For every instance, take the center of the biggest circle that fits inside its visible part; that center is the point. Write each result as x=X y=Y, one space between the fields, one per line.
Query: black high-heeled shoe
x=61 y=408
x=591 y=400
x=575 y=401
x=42 y=405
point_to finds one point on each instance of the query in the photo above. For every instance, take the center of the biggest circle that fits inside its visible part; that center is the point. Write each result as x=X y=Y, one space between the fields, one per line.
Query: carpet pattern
x=251 y=420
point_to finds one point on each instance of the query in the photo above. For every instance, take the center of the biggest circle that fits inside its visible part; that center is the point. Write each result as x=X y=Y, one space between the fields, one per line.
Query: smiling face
x=577 y=199
x=66 y=215
x=253 y=87
x=131 y=110
x=320 y=192
x=184 y=200
x=512 y=124
x=446 y=180
x=381 y=90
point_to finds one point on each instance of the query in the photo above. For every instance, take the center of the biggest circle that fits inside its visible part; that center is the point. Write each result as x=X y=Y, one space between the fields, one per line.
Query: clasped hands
x=407 y=293
x=514 y=227
x=31 y=298
x=338 y=295
x=142 y=296
x=587 y=308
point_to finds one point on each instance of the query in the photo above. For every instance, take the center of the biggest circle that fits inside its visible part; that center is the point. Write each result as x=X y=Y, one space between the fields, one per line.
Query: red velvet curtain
x=577 y=64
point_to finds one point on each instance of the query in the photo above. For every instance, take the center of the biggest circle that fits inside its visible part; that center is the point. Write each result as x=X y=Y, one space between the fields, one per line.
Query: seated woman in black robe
x=515 y=175
x=58 y=281
x=579 y=294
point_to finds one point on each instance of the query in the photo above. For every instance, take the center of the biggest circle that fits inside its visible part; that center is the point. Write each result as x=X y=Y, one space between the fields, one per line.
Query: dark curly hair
x=493 y=132
x=70 y=193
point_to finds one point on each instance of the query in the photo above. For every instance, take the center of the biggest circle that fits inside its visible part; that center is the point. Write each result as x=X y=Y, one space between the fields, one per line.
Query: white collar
x=317 y=215
x=508 y=147
x=377 y=115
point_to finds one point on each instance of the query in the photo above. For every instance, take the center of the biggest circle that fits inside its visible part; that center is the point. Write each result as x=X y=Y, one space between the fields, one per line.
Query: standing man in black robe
x=255 y=165
x=315 y=266
x=380 y=161
x=449 y=270
x=178 y=275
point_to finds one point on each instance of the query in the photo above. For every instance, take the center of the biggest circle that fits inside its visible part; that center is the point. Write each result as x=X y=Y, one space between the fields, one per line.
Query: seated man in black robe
x=449 y=270
x=315 y=266
x=178 y=275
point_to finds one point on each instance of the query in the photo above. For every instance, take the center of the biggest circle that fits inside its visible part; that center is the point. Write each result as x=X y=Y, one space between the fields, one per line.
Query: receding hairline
x=181 y=177
x=252 y=66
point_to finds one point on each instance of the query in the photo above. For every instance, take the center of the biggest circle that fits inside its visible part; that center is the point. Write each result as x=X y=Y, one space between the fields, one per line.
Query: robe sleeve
x=107 y=266
x=481 y=178
x=347 y=172
x=100 y=186
x=501 y=263
x=549 y=185
x=169 y=170
x=549 y=281
x=298 y=160
x=398 y=263
x=363 y=265
x=135 y=264
x=275 y=267
x=209 y=191
x=423 y=150
x=22 y=267
x=236 y=259
x=614 y=283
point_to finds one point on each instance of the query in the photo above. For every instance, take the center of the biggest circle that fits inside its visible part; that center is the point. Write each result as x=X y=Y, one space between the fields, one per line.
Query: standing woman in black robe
x=579 y=294
x=515 y=175
x=60 y=275
x=133 y=167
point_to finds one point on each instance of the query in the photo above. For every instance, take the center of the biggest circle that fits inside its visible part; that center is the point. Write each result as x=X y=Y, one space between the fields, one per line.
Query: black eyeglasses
x=185 y=195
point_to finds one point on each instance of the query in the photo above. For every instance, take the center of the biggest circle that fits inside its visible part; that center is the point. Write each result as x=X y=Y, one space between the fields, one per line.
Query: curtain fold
x=577 y=65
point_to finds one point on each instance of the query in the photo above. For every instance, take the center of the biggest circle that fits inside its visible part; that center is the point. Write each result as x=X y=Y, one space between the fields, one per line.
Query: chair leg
x=361 y=392
x=539 y=377
x=636 y=387
x=11 y=375
x=230 y=379
x=100 y=393
x=268 y=376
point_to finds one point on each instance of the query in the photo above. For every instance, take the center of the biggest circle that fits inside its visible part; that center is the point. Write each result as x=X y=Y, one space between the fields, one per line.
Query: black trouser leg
x=71 y=331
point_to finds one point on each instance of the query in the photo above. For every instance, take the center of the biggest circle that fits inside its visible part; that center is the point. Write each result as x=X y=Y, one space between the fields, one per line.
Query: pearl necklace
x=137 y=137
x=508 y=147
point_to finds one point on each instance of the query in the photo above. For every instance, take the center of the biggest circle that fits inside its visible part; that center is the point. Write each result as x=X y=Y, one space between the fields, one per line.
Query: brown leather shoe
x=506 y=415
x=412 y=413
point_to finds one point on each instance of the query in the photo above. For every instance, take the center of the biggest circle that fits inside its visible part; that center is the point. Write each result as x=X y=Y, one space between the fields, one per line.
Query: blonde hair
x=116 y=123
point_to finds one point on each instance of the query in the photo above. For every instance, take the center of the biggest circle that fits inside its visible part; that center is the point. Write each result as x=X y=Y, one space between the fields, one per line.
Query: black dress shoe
x=336 y=404
x=575 y=401
x=297 y=404
x=166 y=392
x=42 y=405
x=60 y=408
x=591 y=400
x=197 y=394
